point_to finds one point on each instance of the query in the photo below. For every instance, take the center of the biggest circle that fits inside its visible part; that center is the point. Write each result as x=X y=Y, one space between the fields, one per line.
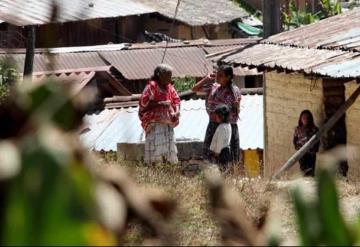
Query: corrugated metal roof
x=332 y=63
x=135 y=62
x=216 y=49
x=109 y=47
x=140 y=64
x=199 y=13
x=198 y=42
x=77 y=80
x=64 y=61
x=337 y=32
x=30 y=12
x=108 y=127
x=193 y=13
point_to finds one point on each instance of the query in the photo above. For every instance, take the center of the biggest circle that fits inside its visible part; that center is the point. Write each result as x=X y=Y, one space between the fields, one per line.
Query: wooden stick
x=315 y=138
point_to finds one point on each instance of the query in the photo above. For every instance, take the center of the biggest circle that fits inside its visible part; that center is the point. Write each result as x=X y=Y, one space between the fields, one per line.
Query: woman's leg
x=210 y=131
x=235 y=143
x=150 y=146
x=312 y=162
x=224 y=158
x=164 y=144
x=307 y=165
x=303 y=164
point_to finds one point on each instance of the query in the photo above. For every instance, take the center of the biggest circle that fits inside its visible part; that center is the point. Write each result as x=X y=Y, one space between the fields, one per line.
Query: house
x=100 y=80
x=213 y=19
x=132 y=65
x=98 y=22
x=314 y=67
x=138 y=61
x=118 y=128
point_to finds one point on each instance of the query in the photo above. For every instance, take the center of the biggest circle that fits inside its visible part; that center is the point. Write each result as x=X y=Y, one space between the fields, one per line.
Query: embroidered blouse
x=303 y=135
x=217 y=95
x=160 y=113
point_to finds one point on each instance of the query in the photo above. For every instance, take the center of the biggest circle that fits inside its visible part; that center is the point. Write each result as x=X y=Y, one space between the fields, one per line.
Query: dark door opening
x=334 y=97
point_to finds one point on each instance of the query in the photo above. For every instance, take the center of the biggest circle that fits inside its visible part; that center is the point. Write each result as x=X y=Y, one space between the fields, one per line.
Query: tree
x=7 y=76
x=296 y=17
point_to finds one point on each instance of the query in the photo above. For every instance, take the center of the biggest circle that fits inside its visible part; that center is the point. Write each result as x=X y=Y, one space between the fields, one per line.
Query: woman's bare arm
x=199 y=85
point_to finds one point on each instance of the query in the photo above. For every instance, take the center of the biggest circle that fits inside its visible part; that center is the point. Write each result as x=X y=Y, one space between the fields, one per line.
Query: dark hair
x=228 y=71
x=224 y=112
x=311 y=118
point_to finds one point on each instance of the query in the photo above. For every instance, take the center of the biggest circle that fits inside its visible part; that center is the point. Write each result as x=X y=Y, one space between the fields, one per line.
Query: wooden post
x=316 y=138
x=30 y=51
x=271 y=17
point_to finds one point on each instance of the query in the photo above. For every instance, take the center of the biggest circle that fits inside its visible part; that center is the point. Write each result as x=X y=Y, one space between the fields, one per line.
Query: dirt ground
x=193 y=223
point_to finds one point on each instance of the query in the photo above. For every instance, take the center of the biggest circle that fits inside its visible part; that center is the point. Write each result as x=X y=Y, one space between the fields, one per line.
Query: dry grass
x=193 y=223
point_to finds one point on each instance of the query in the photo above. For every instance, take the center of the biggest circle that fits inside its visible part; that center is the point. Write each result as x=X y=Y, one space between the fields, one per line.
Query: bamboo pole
x=316 y=138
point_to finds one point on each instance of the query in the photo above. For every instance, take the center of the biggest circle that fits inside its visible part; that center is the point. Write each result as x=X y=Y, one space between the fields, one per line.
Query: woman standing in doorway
x=223 y=91
x=303 y=132
x=159 y=111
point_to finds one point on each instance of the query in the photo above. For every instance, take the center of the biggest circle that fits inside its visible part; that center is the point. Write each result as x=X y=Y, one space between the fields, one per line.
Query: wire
x=171 y=28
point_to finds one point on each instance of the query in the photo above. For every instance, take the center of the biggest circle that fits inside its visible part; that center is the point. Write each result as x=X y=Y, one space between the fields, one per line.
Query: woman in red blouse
x=159 y=111
x=221 y=90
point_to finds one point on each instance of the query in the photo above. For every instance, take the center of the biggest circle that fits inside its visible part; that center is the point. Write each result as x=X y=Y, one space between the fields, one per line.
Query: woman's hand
x=175 y=113
x=210 y=77
x=164 y=103
x=199 y=85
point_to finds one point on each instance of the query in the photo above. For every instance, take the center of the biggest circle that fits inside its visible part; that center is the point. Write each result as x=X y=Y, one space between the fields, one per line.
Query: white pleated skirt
x=160 y=144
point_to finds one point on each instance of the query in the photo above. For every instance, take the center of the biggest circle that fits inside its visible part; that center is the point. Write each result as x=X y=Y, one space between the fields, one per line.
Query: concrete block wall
x=135 y=151
x=286 y=95
x=353 y=133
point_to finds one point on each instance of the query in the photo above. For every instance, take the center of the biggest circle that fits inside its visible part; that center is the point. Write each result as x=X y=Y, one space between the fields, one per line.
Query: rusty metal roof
x=65 y=61
x=77 y=80
x=337 y=32
x=140 y=64
x=135 y=62
x=198 y=12
x=330 y=47
x=30 y=12
x=191 y=12
x=198 y=42
x=332 y=63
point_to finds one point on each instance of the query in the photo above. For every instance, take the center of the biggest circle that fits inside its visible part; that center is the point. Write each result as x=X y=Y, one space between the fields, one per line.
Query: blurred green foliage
x=183 y=84
x=320 y=221
x=297 y=18
x=48 y=192
x=8 y=75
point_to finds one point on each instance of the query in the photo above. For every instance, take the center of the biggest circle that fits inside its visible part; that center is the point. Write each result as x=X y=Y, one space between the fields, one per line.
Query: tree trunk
x=30 y=51
x=271 y=17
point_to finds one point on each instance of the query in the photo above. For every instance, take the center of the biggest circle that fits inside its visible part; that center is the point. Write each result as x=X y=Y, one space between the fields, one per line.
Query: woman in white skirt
x=159 y=111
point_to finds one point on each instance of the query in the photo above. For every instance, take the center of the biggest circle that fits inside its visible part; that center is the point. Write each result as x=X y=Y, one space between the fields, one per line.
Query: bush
x=183 y=84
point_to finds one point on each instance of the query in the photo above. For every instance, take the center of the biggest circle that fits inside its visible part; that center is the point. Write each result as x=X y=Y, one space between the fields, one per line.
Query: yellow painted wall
x=252 y=163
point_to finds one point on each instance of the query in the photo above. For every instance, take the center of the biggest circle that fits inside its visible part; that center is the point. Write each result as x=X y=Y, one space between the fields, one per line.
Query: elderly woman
x=221 y=90
x=159 y=113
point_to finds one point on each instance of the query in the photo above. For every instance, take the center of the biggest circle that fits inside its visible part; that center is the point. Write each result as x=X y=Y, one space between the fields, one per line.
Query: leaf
x=48 y=203
x=335 y=231
x=307 y=220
